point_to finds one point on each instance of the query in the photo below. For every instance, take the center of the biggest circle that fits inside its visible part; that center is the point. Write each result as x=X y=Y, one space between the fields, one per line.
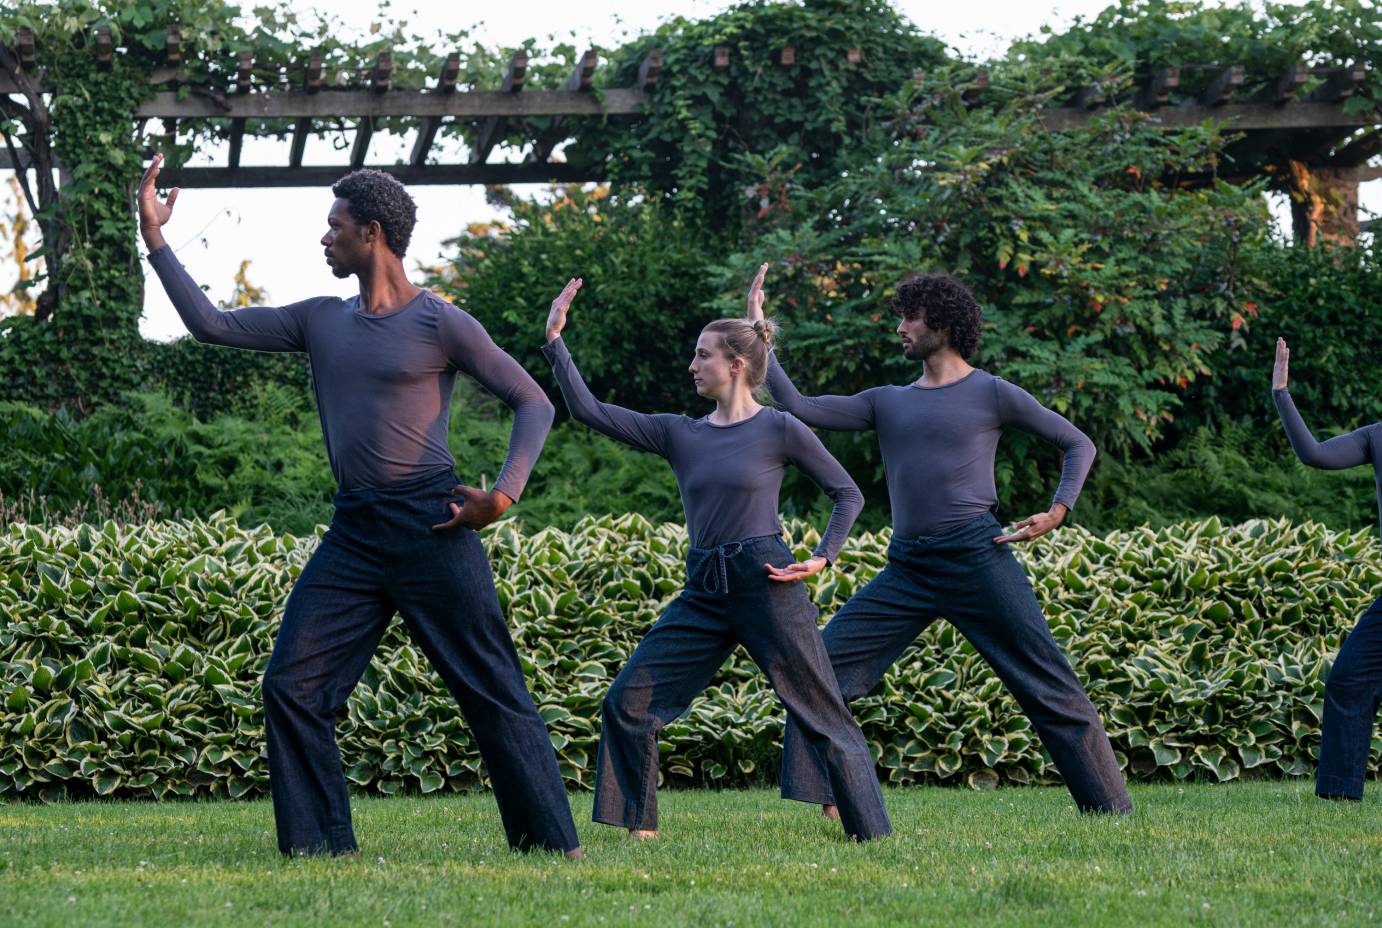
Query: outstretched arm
x=258 y=328
x=1019 y=409
x=808 y=455
x=642 y=431
x=1339 y=452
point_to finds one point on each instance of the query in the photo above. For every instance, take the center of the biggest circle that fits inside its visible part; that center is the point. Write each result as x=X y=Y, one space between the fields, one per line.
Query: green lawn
x=1237 y=854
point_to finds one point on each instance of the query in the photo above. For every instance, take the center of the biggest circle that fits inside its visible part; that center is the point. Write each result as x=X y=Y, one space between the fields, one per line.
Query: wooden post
x=650 y=70
x=237 y=126
x=302 y=127
x=578 y=82
x=427 y=129
x=1158 y=89
x=24 y=49
x=488 y=133
x=1324 y=203
x=1223 y=86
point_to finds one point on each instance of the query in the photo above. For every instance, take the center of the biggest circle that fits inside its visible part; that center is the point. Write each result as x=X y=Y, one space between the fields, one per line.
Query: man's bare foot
x=831 y=812
x=575 y=854
x=643 y=834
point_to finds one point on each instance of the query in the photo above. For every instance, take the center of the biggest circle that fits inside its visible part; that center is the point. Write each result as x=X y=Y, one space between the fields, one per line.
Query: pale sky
x=278 y=229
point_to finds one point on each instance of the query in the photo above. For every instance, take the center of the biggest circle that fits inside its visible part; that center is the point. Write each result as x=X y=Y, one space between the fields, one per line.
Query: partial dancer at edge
x=383 y=367
x=948 y=556
x=742 y=586
x=1354 y=686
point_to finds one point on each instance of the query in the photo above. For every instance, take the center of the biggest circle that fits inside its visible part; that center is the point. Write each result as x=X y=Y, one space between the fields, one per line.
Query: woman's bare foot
x=643 y=834
x=831 y=812
x=575 y=854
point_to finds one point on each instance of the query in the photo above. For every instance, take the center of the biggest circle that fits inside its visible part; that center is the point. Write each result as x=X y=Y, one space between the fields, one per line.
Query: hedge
x=130 y=658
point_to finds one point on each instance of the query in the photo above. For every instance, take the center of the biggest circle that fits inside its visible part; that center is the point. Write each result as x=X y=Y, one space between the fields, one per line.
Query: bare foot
x=831 y=812
x=575 y=854
x=643 y=834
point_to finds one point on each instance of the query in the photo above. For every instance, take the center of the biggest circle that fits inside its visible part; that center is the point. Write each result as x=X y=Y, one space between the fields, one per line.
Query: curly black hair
x=378 y=196
x=943 y=303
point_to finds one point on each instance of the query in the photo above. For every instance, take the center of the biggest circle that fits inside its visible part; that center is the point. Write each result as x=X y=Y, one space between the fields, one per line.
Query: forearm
x=637 y=429
x=849 y=502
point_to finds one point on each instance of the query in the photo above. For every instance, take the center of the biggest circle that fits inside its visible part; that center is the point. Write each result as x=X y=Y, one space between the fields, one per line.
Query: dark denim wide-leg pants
x=729 y=600
x=982 y=589
x=1351 y=696
x=379 y=557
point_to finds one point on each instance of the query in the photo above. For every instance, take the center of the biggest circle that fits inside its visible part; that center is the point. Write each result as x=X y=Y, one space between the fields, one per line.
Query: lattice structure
x=1312 y=146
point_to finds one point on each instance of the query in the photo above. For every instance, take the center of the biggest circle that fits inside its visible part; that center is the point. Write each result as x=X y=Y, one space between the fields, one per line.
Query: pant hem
x=1328 y=786
x=816 y=800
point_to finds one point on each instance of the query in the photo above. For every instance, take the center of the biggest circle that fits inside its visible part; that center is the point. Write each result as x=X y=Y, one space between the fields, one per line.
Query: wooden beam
x=787 y=56
x=1088 y=97
x=650 y=70
x=473 y=104
x=578 y=83
x=1223 y=86
x=243 y=75
x=1237 y=116
x=363 y=133
x=312 y=83
x=24 y=49
x=1339 y=84
x=427 y=129
x=489 y=130
x=1158 y=89
x=105 y=45
x=325 y=175
x=1359 y=149
x=172 y=47
x=381 y=76
x=1370 y=172
x=1289 y=84
x=976 y=88
x=719 y=58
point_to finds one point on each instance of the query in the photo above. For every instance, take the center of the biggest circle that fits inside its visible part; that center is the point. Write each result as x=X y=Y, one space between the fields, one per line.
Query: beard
x=339 y=272
x=922 y=348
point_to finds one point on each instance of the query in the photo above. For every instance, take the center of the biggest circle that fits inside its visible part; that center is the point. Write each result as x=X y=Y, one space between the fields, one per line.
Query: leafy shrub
x=131 y=658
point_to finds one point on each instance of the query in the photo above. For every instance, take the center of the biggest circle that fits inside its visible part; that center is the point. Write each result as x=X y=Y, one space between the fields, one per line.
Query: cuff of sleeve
x=555 y=350
x=828 y=555
x=510 y=487
x=1067 y=502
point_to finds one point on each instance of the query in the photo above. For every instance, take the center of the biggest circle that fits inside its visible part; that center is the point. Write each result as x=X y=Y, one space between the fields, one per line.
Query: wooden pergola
x=1313 y=146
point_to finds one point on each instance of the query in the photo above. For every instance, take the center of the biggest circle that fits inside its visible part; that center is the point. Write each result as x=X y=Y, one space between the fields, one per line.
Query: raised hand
x=1283 y=363
x=1034 y=526
x=153 y=215
x=476 y=509
x=556 y=316
x=756 y=294
x=798 y=571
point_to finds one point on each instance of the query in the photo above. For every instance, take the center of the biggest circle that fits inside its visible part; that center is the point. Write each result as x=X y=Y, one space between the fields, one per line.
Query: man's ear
x=374 y=232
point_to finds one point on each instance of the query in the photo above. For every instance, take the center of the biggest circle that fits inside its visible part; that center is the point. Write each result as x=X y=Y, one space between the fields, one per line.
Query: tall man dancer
x=383 y=367
x=1353 y=689
x=949 y=556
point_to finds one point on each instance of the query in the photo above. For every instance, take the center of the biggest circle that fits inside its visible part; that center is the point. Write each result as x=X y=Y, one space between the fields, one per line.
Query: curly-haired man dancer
x=1353 y=690
x=949 y=556
x=383 y=367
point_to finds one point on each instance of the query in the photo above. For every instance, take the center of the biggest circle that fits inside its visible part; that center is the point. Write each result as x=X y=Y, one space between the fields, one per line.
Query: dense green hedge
x=130 y=658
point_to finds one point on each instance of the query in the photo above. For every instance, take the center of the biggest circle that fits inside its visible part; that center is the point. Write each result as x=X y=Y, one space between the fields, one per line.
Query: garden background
x=160 y=497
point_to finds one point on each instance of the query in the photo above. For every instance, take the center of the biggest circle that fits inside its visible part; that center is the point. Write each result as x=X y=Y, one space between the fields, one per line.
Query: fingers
x=454 y=521
x=789 y=573
x=758 y=279
x=172 y=197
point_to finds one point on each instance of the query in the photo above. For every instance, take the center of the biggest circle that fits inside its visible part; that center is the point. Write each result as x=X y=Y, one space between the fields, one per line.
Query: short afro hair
x=943 y=303
x=376 y=196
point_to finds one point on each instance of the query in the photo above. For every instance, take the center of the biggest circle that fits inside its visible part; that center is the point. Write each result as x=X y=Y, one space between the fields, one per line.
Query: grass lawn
x=1236 y=854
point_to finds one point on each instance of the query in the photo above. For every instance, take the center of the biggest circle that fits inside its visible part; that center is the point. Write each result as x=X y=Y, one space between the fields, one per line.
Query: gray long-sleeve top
x=728 y=475
x=1361 y=446
x=939 y=443
x=383 y=381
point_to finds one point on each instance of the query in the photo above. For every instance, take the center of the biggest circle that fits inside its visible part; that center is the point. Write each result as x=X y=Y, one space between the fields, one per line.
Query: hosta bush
x=130 y=658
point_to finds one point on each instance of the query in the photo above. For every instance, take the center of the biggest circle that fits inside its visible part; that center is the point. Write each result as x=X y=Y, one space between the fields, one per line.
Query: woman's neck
x=735 y=408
